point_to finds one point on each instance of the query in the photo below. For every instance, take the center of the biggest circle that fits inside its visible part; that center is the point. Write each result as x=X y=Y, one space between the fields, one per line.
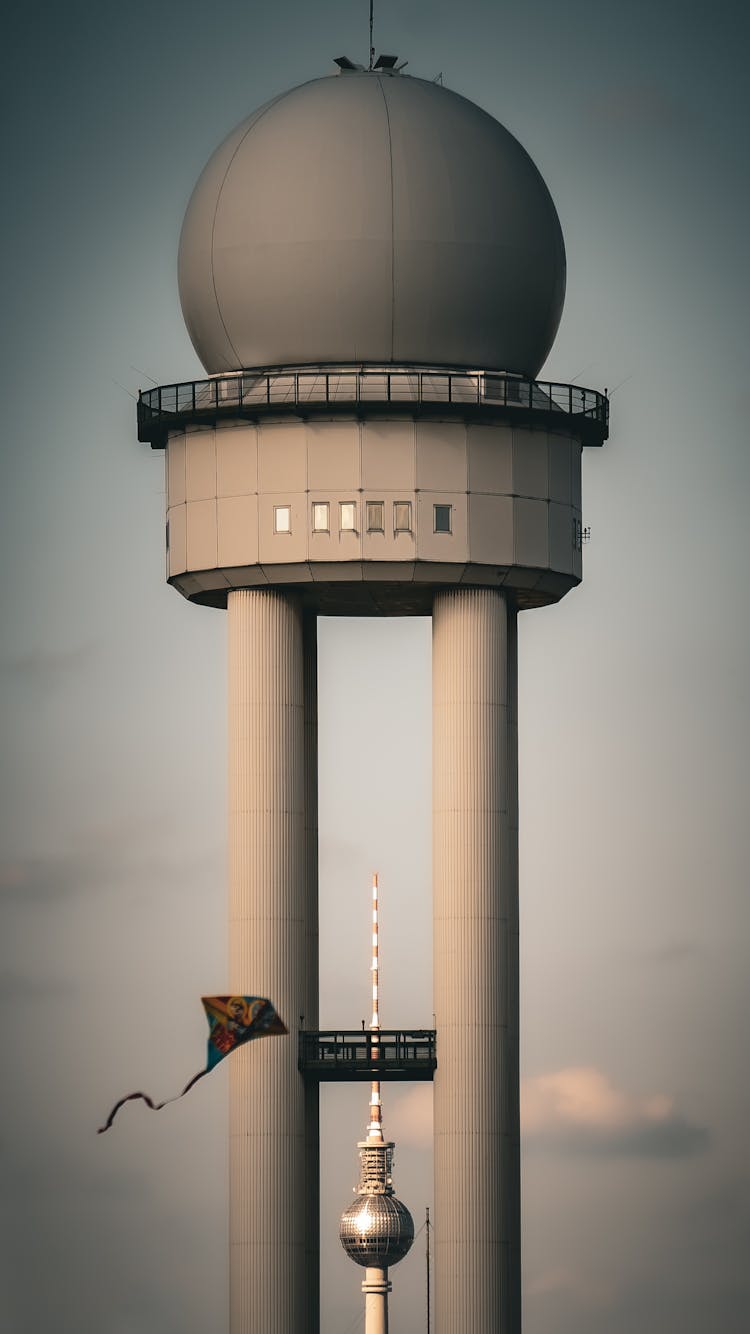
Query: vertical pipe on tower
x=269 y=954
x=310 y=1012
x=513 y=1076
x=475 y=849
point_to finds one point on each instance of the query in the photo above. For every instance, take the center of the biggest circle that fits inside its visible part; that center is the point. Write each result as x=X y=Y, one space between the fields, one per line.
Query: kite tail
x=155 y=1106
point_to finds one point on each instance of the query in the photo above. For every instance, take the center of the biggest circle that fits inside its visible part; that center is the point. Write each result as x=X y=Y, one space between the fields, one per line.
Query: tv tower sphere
x=371 y=219
x=372 y=271
x=376 y=1230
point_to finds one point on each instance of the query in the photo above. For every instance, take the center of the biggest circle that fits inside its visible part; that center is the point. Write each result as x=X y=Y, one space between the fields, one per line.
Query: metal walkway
x=339 y=1055
x=416 y=390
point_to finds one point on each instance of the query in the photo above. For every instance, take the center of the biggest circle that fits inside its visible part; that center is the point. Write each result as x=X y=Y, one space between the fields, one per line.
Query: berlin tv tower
x=377 y=1229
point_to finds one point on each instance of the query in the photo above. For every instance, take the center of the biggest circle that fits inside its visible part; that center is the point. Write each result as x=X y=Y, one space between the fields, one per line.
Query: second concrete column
x=475 y=852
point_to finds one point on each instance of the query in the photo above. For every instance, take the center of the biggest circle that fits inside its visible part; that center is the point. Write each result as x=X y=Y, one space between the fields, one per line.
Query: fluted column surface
x=269 y=954
x=475 y=857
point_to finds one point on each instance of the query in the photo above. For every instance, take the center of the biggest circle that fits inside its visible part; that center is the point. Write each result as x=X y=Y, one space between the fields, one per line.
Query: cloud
x=119 y=856
x=577 y=1109
x=642 y=107
x=584 y=1290
x=41 y=666
x=678 y=952
x=580 y=1109
x=15 y=989
x=43 y=879
x=410 y=1117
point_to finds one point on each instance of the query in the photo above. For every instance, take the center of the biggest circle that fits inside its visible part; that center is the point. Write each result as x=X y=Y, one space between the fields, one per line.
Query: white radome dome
x=371 y=218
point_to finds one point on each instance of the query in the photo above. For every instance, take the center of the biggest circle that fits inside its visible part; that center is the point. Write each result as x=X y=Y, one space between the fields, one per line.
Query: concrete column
x=376 y=1286
x=269 y=954
x=475 y=857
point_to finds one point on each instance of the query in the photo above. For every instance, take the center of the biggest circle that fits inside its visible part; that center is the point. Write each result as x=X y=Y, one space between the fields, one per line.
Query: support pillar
x=376 y=1285
x=475 y=868
x=273 y=1126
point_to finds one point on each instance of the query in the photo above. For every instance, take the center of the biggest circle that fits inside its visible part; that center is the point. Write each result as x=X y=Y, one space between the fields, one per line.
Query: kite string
x=155 y=1106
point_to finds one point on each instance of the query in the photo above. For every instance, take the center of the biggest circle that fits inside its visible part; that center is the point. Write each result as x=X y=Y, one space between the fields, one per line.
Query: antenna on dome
x=372 y=48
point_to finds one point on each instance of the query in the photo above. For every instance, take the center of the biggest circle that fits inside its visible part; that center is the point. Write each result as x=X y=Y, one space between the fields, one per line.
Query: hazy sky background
x=634 y=717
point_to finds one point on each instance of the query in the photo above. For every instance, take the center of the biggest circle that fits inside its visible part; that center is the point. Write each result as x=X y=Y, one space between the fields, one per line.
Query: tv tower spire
x=377 y=1229
x=375 y=1128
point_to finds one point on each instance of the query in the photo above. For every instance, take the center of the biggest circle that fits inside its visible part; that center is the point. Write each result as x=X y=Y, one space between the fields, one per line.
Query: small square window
x=282 y=518
x=320 y=517
x=442 y=518
x=402 y=516
x=375 y=516
x=348 y=516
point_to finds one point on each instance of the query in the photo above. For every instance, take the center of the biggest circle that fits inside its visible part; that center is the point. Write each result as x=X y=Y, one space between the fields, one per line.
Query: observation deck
x=415 y=391
x=347 y=1056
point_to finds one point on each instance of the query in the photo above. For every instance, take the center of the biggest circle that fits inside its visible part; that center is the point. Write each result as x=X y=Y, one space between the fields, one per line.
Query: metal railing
x=348 y=1055
x=258 y=392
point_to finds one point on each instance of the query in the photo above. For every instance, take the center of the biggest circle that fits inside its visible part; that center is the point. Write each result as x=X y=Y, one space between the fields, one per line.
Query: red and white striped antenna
x=375 y=1128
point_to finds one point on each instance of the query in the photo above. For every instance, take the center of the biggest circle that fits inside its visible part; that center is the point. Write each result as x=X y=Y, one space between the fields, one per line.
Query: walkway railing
x=344 y=1055
x=256 y=393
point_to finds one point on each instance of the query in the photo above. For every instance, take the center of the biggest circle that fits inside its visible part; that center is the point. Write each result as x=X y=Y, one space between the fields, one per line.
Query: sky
x=634 y=718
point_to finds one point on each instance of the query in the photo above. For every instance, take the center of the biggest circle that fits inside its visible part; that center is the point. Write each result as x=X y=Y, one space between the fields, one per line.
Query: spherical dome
x=373 y=218
x=376 y=1230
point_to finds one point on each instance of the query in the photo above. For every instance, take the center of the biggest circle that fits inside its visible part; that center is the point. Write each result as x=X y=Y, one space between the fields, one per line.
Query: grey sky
x=633 y=691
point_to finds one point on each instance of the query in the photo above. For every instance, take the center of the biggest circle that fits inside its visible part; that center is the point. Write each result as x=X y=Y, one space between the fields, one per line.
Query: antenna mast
x=427 y=1258
x=375 y=1127
x=372 y=48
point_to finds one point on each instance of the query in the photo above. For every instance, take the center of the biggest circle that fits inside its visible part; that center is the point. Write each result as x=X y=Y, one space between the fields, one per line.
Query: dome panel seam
x=255 y=121
x=393 y=229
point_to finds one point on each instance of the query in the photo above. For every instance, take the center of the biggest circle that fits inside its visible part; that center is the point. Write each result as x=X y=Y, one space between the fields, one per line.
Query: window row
x=348 y=517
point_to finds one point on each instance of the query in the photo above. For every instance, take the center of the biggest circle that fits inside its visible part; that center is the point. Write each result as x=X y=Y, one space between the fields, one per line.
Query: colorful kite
x=232 y=1021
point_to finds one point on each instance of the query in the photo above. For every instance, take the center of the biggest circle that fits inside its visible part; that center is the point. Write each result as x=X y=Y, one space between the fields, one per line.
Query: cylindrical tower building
x=372 y=271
